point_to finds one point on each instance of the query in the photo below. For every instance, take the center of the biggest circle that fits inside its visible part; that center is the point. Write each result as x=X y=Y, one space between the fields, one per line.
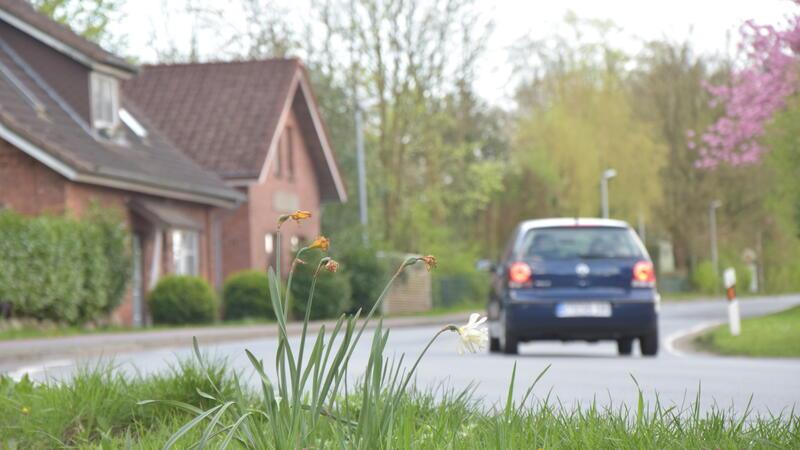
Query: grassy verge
x=99 y=409
x=685 y=296
x=465 y=308
x=773 y=335
x=33 y=331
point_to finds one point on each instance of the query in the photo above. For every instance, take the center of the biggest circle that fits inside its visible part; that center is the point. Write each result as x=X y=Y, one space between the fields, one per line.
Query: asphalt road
x=580 y=373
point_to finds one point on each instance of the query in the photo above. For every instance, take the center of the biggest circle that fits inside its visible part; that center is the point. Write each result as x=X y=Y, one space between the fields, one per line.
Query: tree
x=575 y=120
x=667 y=90
x=411 y=67
x=754 y=94
x=89 y=18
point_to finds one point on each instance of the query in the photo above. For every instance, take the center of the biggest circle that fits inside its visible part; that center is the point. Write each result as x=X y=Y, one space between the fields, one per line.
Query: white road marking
x=19 y=373
x=670 y=340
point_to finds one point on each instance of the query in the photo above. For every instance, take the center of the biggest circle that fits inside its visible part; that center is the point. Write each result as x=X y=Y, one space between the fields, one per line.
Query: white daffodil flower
x=474 y=337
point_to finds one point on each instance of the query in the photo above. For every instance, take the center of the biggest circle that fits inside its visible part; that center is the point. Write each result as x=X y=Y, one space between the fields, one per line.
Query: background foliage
x=246 y=295
x=63 y=269
x=445 y=167
x=332 y=294
x=178 y=299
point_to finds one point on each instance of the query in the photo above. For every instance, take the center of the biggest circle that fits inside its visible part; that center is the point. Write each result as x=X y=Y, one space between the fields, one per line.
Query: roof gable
x=21 y=15
x=35 y=119
x=228 y=116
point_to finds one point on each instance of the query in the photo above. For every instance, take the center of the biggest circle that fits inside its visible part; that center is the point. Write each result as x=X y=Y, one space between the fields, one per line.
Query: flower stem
x=425 y=350
x=286 y=306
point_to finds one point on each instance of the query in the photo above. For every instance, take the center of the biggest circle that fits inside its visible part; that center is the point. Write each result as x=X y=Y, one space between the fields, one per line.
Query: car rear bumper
x=537 y=319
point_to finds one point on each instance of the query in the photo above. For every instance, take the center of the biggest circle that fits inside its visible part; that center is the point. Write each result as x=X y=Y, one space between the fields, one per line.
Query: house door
x=136 y=281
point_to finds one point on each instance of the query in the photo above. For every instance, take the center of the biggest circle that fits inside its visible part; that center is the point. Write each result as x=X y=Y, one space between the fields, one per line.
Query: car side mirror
x=485 y=265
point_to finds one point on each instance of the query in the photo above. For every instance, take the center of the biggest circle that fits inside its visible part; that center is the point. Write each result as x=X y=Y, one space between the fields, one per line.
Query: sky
x=711 y=25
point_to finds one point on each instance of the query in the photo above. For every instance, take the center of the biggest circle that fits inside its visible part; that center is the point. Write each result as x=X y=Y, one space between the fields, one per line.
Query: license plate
x=583 y=309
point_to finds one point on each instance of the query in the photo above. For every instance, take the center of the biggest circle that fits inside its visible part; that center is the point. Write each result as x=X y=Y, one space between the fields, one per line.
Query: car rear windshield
x=580 y=242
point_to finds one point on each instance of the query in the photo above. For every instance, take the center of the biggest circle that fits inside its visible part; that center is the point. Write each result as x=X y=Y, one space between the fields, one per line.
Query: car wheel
x=510 y=344
x=625 y=346
x=494 y=345
x=649 y=343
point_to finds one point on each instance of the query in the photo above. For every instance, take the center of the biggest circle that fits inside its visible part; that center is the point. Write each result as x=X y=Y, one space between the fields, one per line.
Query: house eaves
x=119 y=179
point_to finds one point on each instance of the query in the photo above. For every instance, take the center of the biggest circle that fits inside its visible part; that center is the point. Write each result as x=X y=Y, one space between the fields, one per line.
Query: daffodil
x=474 y=336
x=321 y=243
x=331 y=266
x=430 y=262
x=297 y=216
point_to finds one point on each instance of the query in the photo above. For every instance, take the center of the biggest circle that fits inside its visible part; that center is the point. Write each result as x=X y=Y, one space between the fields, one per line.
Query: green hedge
x=63 y=269
x=246 y=295
x=367 y=275
x=179 y=299
x=332 y=293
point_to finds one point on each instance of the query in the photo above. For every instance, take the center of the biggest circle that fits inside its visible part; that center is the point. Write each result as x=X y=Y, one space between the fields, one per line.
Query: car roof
x=572 y=222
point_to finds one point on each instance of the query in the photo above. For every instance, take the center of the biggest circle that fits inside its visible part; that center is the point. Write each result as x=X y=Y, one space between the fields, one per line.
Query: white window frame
x=135 y=126
x=185 y=252
x=104 y=96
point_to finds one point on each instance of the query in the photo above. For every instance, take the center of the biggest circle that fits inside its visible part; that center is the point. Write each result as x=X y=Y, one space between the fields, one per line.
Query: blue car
x=574 y=279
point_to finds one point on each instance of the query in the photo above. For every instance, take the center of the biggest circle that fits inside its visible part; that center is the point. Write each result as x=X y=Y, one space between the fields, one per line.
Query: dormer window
x=105 y=101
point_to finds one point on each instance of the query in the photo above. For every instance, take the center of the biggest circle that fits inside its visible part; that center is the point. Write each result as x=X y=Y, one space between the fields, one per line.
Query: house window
x=289 y=153
x=270 y=248
x=135 y=126
x=269 y=243
x=185 y=257
x=278 y=158
x=105 y=101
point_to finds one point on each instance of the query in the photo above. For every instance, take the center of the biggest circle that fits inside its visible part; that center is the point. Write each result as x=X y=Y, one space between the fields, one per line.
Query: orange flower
x=297 y=216
x=430 y=262
x=331 y=266
x=321 y=243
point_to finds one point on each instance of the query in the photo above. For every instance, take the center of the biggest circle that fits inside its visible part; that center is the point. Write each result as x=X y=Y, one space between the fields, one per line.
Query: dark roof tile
x=221 y=114
x=152 y=162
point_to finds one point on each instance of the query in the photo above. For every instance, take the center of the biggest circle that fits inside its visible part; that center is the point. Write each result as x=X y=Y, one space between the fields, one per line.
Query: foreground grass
x=773 y=335
x=99 y=409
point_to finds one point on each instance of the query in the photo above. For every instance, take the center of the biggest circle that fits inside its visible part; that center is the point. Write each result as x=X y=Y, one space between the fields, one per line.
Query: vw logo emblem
x=582 y=270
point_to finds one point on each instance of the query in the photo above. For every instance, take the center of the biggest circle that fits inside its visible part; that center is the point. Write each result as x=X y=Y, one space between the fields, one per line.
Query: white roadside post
x=729 y=278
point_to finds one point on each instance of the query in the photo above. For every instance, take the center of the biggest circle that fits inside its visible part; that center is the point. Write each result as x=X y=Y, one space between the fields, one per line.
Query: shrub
x=332 y=294
x=246 y=294
x=182 y=300
x=63 y=269
x=704 y=279
x=367 y=275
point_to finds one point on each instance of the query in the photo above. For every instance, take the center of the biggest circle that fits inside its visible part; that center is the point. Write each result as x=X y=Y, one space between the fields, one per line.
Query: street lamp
x=607 y=175
x=712 y=233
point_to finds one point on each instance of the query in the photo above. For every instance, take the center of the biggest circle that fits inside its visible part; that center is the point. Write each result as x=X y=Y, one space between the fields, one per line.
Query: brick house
x=256 y=124
x=70 y=138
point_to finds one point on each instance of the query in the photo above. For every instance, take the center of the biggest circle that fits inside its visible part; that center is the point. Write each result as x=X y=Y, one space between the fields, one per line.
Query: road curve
x=580 y=373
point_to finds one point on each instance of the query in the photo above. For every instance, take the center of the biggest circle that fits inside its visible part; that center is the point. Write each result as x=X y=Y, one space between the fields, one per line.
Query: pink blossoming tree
x=755 y=92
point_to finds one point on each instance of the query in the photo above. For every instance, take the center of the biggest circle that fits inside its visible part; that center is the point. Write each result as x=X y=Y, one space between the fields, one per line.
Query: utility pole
x=642 y=228
x=607 y=175
x=359 y=129
x=712 y=233
x=362 y=175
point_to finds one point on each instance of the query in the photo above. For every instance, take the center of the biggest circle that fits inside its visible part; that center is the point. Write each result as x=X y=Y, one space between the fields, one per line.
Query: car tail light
x=643 y=274
x=519 y=274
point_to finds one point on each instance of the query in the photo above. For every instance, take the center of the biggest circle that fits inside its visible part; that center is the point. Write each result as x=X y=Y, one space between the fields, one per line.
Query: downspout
x=155 y=264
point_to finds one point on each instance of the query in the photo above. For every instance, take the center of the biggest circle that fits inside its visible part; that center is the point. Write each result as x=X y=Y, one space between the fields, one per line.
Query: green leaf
x=188 y=426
